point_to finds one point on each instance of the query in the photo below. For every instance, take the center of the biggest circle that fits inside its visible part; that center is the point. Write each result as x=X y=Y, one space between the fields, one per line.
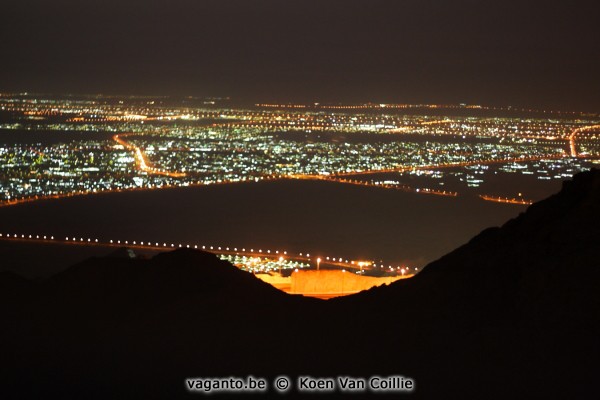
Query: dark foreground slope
x=515 y=313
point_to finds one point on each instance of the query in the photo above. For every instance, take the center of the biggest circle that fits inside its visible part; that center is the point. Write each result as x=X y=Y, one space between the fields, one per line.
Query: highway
x=403 y=188
x=572 y=144
x=323 y=261
x=506 y=200
x=450 y=165
x=141 y=161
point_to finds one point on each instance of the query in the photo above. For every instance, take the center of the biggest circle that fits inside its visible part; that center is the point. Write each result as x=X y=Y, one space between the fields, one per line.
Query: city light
x=272 y=143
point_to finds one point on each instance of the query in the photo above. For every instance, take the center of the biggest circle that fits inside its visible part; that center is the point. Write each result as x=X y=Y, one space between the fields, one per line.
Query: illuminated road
x=403 y=188
x=80 y=193
x=572 y=143
x=141 y=161
x=326 y=262
x=332 y=277
x=447 y=165
x=506 y=200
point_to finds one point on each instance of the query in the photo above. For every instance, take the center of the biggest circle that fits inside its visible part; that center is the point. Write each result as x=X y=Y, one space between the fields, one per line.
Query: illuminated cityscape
x=125 y=144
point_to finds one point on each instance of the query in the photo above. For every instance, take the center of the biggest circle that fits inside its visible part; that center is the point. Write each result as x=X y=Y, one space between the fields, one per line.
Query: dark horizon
x=537 y=54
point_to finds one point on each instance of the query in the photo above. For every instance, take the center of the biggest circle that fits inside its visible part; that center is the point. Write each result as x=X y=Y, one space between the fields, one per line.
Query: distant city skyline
x=537 y=54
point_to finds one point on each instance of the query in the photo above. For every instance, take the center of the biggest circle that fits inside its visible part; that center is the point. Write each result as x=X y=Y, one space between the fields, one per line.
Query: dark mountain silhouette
x=514 y=313
x=11 y=283
x=516 y=309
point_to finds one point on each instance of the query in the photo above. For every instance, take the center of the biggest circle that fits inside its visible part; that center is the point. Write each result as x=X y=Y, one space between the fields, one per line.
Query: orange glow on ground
x=327 y=284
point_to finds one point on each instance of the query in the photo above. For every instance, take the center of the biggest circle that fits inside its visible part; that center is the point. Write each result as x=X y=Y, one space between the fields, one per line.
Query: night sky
x=543 y=54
